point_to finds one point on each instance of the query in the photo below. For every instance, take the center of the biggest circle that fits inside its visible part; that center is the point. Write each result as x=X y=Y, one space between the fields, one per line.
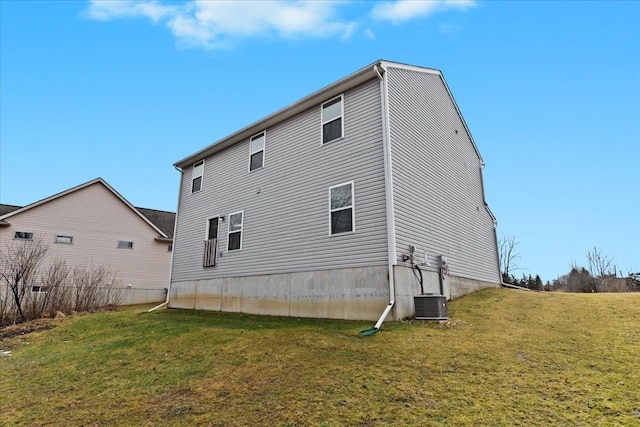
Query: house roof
x=367 y=73
x=5 y=209
x=161 y=221
x=164 y=220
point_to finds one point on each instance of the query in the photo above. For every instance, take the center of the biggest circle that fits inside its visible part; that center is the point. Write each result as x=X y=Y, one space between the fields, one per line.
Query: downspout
x=175 y=229
x=388 y=183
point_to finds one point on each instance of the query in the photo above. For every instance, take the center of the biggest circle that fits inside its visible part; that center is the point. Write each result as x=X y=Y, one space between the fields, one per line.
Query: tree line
x=599 y=275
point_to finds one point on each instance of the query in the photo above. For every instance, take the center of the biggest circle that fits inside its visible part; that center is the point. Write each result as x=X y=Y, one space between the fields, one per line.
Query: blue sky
x=122 y=90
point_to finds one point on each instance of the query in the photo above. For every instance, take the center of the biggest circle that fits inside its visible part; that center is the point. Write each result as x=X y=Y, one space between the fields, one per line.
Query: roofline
x=80 y=187
x=352 y=80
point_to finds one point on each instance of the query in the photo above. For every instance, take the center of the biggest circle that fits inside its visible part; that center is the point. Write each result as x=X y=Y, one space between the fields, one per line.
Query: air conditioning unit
x=431 y=307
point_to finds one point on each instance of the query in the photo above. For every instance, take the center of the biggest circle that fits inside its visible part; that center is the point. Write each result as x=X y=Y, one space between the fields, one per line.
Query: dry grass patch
x=505 y=357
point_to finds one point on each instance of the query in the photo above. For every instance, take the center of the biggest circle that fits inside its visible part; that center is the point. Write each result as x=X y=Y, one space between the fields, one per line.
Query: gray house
x=345 y=204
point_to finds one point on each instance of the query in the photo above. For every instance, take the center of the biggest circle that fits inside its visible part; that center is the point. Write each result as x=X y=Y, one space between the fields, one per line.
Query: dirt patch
x=27 y=328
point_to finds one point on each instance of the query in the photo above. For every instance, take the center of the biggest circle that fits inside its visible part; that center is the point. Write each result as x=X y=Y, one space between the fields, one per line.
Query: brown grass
x=505 y=358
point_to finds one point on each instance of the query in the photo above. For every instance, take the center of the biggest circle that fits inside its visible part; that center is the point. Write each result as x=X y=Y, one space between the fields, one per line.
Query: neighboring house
x=93 y=225
x=322 y=209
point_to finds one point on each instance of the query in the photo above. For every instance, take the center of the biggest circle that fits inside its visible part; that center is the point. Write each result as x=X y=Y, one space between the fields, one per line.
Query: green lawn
x=505 y=358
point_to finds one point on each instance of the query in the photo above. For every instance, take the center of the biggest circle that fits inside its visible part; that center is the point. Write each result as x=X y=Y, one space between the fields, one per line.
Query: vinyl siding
x=97 y=219
x=286 y=203
x=438 y=195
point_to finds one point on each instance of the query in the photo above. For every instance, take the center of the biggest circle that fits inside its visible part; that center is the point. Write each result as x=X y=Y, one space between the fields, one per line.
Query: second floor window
x=256 y=151
x=196 y=176
x=332 y=123
x=23 y=235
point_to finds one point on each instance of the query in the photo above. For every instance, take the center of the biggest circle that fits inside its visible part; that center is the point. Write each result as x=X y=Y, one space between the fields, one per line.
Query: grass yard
x=505 y=358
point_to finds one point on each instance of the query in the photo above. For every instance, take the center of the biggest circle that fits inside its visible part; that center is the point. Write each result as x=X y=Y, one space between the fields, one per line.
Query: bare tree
x=602 y=269
x=508 y=255
x=19 y=262
x=31 y=287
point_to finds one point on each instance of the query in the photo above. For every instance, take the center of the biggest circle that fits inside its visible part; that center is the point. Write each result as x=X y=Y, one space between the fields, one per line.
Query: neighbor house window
x=170 y=248
x=39 y=289
x=124 y=244
x=196 y=176
x=256 y=151
x=64 y=239
x=234 y=238
x=341 y=208
x=24 y=235
x=332 y=123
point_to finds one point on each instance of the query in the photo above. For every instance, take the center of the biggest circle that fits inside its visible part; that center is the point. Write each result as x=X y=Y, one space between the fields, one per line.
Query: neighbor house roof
x=5 y=209
x=161 y=221
x=164 y=220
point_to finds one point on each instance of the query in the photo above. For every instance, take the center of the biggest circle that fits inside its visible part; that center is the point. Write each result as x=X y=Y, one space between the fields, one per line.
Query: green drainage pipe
x=367 y=332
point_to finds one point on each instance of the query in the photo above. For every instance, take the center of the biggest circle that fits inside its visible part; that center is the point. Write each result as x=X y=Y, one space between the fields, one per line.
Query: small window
x=332 y=123
x=123 y=244
x=256 y=151
x=64 y=239
x=196 y=176
x=170 y=248
x=23 y=235
x=341 y=208
x=234 y=238
x=38 y=289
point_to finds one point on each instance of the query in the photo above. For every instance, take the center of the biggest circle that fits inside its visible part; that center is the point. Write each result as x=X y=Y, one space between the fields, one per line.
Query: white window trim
x=353 y=208
x=41 y=289
x=206 y=233
x=234 y=231
x=70 y=242
x=201 y=176
x=264 y=150
x=322 y=122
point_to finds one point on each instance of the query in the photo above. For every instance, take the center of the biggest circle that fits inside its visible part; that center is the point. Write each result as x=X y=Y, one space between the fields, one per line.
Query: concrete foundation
x=130 y=296
x=351 y=293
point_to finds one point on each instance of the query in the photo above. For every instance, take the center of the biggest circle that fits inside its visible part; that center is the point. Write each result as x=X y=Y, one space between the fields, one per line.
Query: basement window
x=332 y=123
x=39 y=289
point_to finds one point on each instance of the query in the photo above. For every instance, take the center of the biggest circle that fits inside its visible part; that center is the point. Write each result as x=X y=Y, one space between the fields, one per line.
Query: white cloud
x=404 y=10
x=217 y=24
x=107 y=10
x=211 y=24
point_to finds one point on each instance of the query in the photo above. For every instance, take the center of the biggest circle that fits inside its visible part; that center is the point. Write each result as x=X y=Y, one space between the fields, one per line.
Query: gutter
x=175 y=231
x=388 y=184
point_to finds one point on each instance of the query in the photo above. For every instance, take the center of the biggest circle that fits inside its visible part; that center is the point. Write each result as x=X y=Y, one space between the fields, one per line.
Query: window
x=123 y=244
x=39 y=289
x=332 y=123
x=24 y=235
x=341 y=208
x=170 y=248
x=234 y=238
x=64 y=239
x=256 y=151
x=196 y=176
